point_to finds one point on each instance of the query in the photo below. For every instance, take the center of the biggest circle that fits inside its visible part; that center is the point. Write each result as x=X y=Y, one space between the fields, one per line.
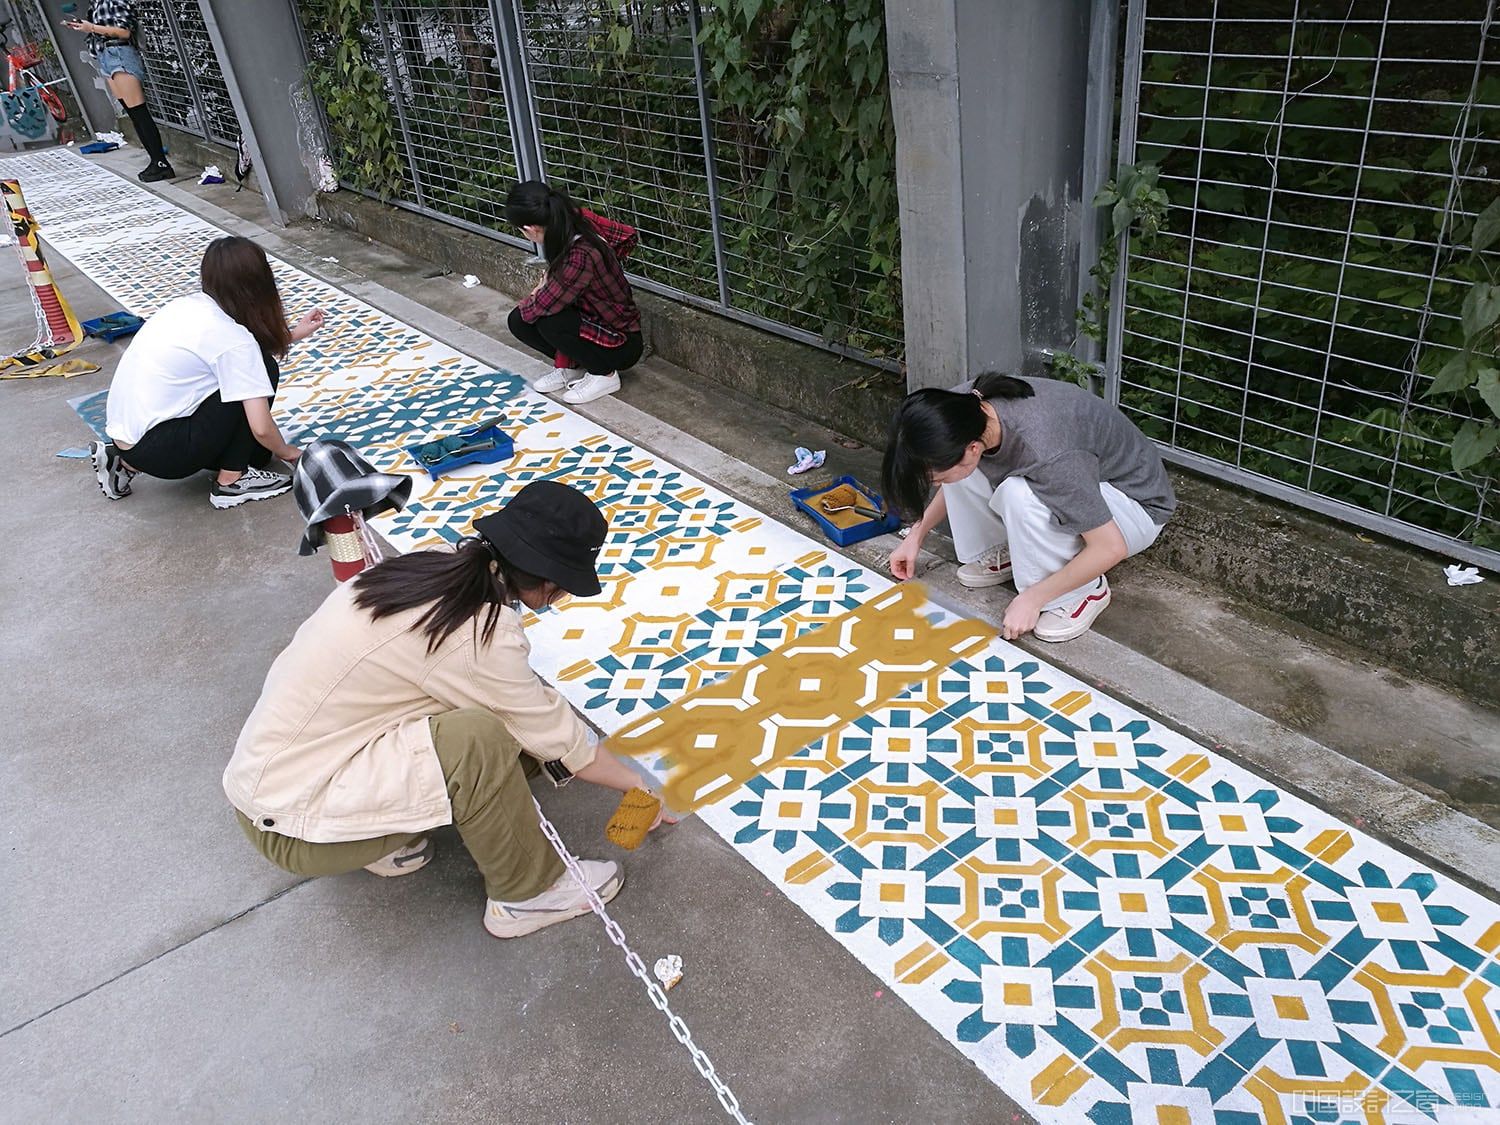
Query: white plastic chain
x=680 y=1030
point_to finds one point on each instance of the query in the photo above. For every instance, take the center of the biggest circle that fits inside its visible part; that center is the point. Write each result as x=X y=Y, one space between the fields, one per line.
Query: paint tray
x=502 y=449
x=845 y=528
x=112 y=325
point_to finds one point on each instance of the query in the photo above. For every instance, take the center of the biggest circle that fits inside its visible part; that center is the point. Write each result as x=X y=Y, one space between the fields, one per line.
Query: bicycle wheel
x=54 y=104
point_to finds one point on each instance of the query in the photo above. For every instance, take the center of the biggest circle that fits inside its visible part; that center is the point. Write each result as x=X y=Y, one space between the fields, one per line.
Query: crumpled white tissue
x=1462 y=575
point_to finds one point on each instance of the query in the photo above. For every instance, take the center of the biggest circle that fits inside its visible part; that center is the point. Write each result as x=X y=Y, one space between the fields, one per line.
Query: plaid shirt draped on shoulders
x=595 y=283
x=112 y=13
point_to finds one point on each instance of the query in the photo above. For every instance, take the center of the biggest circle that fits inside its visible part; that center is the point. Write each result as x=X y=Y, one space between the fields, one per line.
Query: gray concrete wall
x=989 y=103
x=260 y=51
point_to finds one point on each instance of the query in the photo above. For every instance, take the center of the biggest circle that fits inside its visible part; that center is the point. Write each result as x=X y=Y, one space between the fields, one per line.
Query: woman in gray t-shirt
x=1041 y=480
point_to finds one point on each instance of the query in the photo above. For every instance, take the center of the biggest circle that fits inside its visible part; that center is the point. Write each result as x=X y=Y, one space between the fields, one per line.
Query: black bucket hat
x=552 y=531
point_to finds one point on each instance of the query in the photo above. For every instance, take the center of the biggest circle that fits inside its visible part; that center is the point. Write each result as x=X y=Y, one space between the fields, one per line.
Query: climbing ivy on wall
x=346 y=73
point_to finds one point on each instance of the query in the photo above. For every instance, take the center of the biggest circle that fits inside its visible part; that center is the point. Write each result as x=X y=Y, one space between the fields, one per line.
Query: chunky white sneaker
x=591 y=387
x=1074 y=621
x=990 y=570
x=559 y=378
x=403 y=861
x=564 y=899
x=254 y=484
x=109 y=470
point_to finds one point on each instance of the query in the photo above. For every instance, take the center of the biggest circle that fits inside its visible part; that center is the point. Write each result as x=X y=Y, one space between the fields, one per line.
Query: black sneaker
x=157 y=170
x=109 y=470
x=254 y=484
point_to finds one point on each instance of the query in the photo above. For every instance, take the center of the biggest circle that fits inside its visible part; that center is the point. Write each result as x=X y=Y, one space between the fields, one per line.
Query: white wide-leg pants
x=983 y=518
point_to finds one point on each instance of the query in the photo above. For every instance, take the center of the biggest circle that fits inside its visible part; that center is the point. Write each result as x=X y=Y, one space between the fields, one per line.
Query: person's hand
x=308 y=324
x=537 y=288
x=78 y=25
x=662 y=817
x=1020 y=616
x=904 y=558
x=290 y=454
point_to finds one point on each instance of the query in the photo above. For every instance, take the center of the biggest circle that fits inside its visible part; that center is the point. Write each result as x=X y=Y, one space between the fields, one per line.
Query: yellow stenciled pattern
x=722 y=735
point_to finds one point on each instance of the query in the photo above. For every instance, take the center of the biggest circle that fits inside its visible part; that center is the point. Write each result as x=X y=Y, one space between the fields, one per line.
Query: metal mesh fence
x=816 y=277
x=194 y=45
x=442 y=67
x=169 y=91
x=1325 y=162
x=613 y=102
x=621 y=127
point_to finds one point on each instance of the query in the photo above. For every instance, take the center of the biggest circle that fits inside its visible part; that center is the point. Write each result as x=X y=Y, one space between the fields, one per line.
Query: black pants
x=215 y=436
x=559 y=333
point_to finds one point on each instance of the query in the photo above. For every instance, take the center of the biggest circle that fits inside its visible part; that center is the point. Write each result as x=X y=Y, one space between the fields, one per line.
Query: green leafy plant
x=1475 y=365
x=346 y=72
x=1138 y=205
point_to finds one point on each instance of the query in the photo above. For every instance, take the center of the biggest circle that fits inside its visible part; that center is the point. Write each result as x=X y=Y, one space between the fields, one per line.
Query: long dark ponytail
x=457 y=586
x=931 y=430
x=532 y=203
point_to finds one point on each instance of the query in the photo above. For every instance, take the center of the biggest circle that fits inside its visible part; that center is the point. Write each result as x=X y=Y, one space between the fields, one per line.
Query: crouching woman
x=1039 y=480
x=407 y=702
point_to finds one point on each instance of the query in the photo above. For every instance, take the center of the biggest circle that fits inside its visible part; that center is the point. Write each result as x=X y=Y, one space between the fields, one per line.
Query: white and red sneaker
x=990 y=570
x=1073 y=621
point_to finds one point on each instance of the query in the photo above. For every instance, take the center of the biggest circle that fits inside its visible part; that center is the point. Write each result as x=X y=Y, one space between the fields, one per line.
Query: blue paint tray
x=502 y=450
x=112 y=325
x=865 y=527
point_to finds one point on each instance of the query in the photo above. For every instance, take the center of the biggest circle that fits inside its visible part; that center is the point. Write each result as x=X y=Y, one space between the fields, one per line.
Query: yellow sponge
x=633 y=819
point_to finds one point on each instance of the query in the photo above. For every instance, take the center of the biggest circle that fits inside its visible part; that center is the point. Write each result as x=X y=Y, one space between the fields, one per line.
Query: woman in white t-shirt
x=194 y=389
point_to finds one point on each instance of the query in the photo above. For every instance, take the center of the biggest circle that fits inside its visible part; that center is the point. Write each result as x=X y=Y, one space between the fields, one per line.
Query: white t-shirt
x=182 y=355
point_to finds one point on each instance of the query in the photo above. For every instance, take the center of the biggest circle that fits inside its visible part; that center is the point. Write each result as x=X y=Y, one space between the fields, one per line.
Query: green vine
x=346 y=76
x=1138 y=204
x=1475 y=364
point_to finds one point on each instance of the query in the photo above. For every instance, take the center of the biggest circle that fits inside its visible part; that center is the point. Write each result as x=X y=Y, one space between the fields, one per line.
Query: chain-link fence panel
x=1325 y=163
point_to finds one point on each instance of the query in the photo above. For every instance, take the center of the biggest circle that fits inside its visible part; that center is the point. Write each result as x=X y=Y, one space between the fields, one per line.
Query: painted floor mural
x=1114 y=923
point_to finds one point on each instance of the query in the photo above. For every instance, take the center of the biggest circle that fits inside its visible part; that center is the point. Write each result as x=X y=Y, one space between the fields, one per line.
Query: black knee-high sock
x=146 y=130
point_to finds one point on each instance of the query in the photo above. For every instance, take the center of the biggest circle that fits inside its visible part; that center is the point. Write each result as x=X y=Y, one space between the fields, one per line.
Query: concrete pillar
x=989 y=104
x=260 y=52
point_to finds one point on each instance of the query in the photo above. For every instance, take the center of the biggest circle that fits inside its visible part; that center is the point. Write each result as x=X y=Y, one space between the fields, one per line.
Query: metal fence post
x=1098 y=160
x=394 y=75
x=1130 y=94
x=705 y=117
x=514 y=77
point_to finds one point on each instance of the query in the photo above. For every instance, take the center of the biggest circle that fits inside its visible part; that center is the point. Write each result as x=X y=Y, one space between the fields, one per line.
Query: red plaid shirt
x=595 y=284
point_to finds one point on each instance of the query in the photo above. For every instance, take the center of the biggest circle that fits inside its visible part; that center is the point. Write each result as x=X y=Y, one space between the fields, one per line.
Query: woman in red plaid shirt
x=582 y=315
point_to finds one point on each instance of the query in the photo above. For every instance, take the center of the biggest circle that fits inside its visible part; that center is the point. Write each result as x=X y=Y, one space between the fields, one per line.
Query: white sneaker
x=109 y=470
x=990 y=569
x=1073 y=621
x=403 y=861
x=254 y=484
x=557 y=379
x=591 y=387
x=564 y=899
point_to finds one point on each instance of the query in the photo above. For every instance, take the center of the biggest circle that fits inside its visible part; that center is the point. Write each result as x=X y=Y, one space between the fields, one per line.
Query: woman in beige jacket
x=406 y=702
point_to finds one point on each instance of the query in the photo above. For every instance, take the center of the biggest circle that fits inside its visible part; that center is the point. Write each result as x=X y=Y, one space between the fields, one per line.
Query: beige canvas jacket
x=338 y=746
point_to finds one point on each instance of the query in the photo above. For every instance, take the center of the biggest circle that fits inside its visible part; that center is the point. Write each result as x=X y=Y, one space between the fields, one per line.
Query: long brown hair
x=236 y=274
x=457 y=586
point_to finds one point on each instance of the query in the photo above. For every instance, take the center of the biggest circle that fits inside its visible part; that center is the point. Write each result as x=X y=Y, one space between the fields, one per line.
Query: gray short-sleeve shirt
x=1066 y=442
